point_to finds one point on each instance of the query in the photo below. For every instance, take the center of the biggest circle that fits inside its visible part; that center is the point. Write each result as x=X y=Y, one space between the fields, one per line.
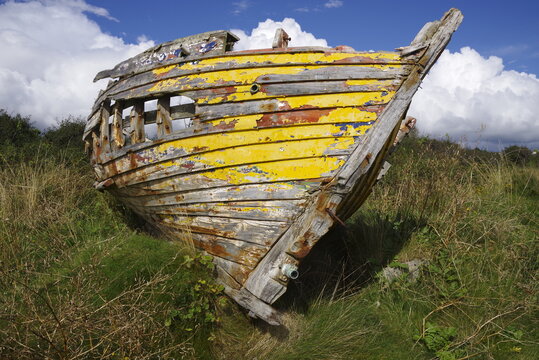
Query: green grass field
x=81 y=279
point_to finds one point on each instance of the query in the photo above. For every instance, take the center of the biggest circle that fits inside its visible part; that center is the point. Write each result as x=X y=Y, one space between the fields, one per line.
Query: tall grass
x=77 y=283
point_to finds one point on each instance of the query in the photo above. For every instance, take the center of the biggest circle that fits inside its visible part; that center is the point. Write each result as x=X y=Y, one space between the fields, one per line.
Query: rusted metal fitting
x=255 y=88
x=290 y=271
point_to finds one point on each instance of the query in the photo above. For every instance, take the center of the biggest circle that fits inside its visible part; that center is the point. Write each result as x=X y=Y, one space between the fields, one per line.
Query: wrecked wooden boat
x=273 y=147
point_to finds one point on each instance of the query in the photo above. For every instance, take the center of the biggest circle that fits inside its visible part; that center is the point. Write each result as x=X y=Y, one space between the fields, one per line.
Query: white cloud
x=262 y=36
x=467 y=96
x=333 y=4
x=50 y=53
x=240 y=6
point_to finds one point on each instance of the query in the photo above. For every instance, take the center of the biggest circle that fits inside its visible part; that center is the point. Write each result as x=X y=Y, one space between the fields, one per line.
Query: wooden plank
x=137 y=123
x=214 y=42
x=260 y=232
x=257 y=307
x=265 y=281
x=163 y=119
x=175 y=112
x=257 y=192
x=104 y=131
x=236 y=271
x=322 y=101
x=118 y=138
x=241 y=252
x=267 y=91
x=275 y=211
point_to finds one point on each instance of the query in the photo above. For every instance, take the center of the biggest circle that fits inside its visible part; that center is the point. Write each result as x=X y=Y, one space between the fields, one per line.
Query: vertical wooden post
x=96 y=149
x=105 y=129
x=137 y=123
x=118 y=140
x=164 y=122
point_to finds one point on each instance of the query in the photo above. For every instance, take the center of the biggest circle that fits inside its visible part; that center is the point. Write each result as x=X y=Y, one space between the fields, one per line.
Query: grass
x=81 y=280
x=78 y=282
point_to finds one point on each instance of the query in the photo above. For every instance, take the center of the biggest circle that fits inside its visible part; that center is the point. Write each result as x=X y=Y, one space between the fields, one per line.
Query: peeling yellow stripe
x=163 y=70
x=278 y=171
x=336 y=100
x=243 y=92
x=223 y=140
x=264 y=152
x=289 y=58
x=346 y=114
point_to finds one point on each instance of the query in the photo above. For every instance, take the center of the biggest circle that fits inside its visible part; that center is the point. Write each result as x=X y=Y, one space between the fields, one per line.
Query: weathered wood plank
x=241 y=252
x=257 y=307
x=250 y=59
x=267 y=91
x=214 y=42
x=137 y=123
x=293 y=190
x=253 y=61
x=322 y=101
x=163 y=118
x=104 y=131
x=118 y=139
x=236 y=271
x=275 y=211
x=175 y=112
x=259 y=232
x=294 y=244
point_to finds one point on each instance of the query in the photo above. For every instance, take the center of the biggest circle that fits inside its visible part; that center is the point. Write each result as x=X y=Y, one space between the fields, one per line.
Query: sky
x=483 y=91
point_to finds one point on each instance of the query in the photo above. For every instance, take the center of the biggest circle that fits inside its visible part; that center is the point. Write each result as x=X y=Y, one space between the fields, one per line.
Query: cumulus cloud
x=51 y=52
x=262 y=36
x=469 y=97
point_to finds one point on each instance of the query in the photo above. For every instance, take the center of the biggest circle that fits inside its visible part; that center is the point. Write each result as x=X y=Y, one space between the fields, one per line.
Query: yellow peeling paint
x=240 y=76
x=289 y=58
x=163 y=70
x=263 y=153
x=243 y=92
x=346 y=114
x=278 y=171
x=334 y=100
x=224 y=140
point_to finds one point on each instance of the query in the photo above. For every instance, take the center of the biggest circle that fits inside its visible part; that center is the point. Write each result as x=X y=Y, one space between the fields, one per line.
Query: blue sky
x=509 y=29
x=483 y=91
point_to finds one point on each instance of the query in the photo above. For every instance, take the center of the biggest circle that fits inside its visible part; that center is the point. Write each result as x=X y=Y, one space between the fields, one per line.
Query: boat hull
x=280 y=144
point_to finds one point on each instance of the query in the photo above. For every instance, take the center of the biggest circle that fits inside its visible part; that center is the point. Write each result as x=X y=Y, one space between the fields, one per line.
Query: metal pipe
x=290 y=271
